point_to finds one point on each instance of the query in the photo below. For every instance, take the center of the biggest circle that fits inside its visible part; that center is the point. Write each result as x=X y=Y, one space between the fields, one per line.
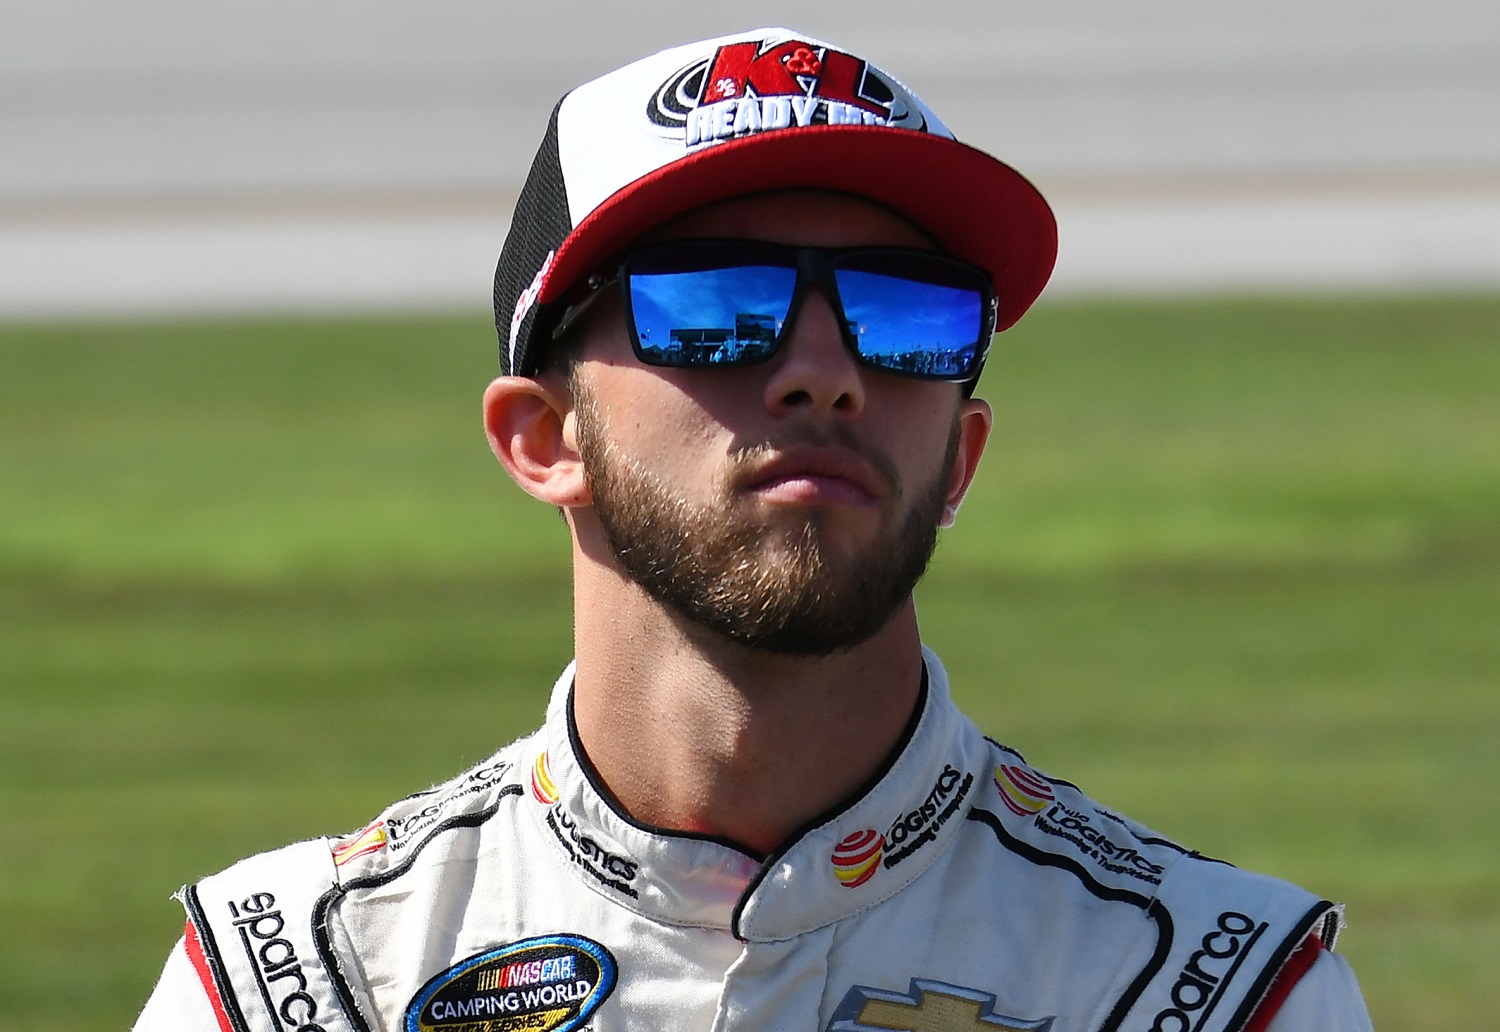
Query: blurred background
x=1232 y=563
x=164 y=155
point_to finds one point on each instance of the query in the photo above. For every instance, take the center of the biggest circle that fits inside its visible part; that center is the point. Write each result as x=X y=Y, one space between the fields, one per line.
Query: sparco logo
x=756 y=86
x=1077 y=827
x=1202 y=979
x=610 y=869
x=274 y=959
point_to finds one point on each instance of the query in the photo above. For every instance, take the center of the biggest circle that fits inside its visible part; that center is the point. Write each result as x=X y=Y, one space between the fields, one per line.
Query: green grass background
x=1232 y=565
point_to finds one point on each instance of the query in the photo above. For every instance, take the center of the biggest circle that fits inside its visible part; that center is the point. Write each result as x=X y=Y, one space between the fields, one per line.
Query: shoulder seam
x=214 y=960
x=1154 y=910
x=322 y=940
x=1267 y=976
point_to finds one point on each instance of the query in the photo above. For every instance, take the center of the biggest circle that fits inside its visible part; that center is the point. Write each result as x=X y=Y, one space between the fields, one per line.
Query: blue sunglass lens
x=710 y=316
x=913 y=326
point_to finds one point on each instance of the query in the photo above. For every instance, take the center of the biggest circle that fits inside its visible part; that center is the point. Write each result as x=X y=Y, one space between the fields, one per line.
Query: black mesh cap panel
x=539 y=225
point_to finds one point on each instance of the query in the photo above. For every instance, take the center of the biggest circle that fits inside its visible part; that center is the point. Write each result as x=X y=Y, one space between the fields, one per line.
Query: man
x=746 y=296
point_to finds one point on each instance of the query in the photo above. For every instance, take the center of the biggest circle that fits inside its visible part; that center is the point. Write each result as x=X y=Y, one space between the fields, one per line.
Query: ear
x=974 y=422
x=530 y=426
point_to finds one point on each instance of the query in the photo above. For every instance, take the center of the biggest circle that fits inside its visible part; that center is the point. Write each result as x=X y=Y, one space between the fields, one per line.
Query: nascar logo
x=1022 y=791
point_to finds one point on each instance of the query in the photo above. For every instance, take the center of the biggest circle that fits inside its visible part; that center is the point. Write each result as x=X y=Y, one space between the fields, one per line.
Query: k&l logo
x=756 y=86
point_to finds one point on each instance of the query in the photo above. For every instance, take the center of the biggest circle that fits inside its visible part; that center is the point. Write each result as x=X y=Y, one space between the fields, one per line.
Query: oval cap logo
x=550 y=983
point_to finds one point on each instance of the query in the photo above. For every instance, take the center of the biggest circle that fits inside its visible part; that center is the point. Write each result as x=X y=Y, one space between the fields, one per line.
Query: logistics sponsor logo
x=1202 y=980
x=273 y=957
x=551 y=983
x=1023 y=791
x=609 y=869
x=369 y=839
x=911 y=831
x=400 y=830
x=859 y=855
x=761 y=85
x=927 y=1006
x=542 y=788
x=480 y=779
x=1077 y=827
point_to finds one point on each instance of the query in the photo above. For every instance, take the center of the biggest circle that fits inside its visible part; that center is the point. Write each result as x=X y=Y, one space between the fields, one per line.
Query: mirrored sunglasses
x=711 y=303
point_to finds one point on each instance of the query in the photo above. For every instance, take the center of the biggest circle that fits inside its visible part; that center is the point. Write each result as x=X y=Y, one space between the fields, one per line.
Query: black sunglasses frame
x=815 y=266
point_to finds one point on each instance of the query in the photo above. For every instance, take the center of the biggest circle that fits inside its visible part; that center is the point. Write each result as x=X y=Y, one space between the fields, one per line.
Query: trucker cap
x=761 y=110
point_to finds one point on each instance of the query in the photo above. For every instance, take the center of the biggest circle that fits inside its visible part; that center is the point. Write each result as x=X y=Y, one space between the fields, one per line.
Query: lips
x=817 y=475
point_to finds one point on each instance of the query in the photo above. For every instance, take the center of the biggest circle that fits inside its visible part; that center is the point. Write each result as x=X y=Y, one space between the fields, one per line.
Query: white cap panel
x=630 y=122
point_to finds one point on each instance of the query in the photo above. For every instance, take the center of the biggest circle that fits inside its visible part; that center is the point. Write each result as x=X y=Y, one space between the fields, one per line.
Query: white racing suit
x=962 y=889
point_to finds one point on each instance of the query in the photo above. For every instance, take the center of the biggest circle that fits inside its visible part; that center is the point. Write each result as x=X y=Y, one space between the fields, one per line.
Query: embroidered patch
x=1081 y=829
x=914 y=829
x=928 y=1006
x=610 y=869
x=1022 y=791
x=281 y=958
x=550 y=983
x=756 y=86
x=862 y=853
x=1206 y=974
x=366 y=841
x=543 y=790
x=857 y=858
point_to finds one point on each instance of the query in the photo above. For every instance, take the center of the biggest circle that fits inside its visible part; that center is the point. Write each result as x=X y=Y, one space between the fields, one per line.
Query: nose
x=813 y=371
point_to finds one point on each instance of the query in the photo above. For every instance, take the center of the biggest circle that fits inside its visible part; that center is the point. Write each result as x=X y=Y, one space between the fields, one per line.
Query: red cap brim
x=979 y=209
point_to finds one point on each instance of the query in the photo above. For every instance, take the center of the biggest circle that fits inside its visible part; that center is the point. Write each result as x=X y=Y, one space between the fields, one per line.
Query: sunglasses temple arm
x=574 y=312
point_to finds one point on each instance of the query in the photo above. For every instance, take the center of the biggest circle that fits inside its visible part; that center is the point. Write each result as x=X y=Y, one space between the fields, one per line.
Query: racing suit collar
x=865 y=852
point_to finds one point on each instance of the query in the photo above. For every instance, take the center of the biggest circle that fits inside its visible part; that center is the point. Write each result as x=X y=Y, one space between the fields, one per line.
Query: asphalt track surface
x=166 y=156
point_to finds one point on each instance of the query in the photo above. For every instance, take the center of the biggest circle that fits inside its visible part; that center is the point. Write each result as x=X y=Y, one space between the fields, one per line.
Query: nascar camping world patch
x=550 y=983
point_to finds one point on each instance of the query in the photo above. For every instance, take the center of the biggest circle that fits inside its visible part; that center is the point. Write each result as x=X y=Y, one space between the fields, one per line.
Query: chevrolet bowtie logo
x=929 y=1006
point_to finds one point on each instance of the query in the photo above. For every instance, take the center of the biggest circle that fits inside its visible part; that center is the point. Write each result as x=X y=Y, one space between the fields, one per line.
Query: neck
x=693 y=732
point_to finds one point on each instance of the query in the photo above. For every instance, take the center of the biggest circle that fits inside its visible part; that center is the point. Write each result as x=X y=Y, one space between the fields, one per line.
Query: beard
x=773 y=588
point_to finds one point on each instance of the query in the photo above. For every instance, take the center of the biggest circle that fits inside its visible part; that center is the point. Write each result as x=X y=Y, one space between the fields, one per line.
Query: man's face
x=790 y=506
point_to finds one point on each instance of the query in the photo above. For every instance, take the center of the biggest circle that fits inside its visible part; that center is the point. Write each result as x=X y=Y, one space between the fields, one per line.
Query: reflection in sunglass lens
x=710 y=316
x=911 y=325
x=707 y=303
